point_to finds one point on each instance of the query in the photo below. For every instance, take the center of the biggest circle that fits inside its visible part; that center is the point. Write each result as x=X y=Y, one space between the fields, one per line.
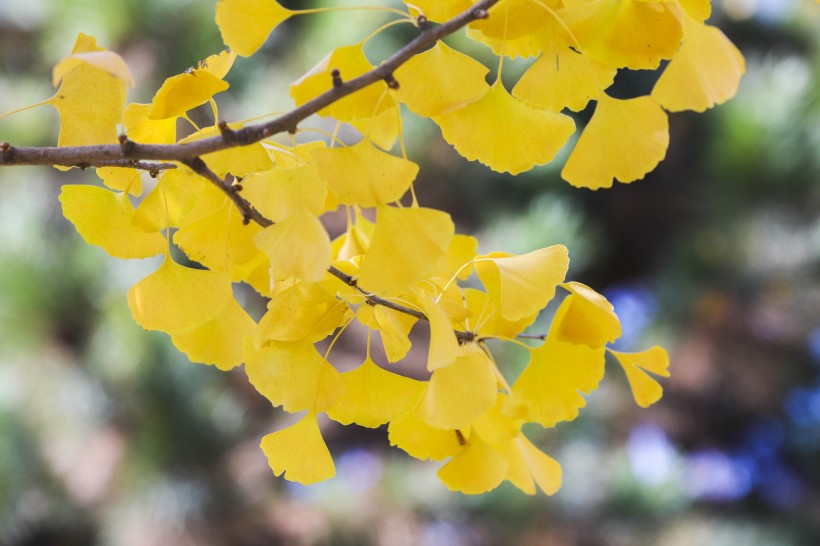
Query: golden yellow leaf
x=699 y=10
x=172 y=199
x=298 y=247
x=374 y=396
x=140 y=128
x=438 y=10
x=288 y=157
x=624 y=140
x=443 y=343
x=477 y=469
x=120 y=179
x=382 y=129
x=585 y=317
x=522 y=136
x=562 y=79
x=355 y=240
x=462 y=249
x=393 y=327
x=420 y=440
x=278 y=193
x=293 y=375
x=511 y=19
x=103 y=219
x=245 y=24
x=494 y=425
x=521 y=286
x=351 y=62
x=364 y=175
x=645 y=389
x=176 y=299
x=302 y=311
x=220 y=341
x=459 y=393
x=300 y=452
x=705 y=72
x=439 y=80
x=544 y=469
x=218 y=64
x=239 y=160
x=184 y=92
x=105 y=60
x=407 y=245
x=635 y=34
x=220 y=241
x=90 y=101
x=548 y=390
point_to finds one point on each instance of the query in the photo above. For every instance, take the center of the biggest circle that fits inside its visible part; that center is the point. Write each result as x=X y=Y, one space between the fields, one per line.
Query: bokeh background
x=109 y=436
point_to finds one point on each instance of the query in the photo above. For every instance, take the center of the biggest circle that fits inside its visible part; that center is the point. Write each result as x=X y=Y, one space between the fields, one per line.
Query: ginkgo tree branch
x=128 y=150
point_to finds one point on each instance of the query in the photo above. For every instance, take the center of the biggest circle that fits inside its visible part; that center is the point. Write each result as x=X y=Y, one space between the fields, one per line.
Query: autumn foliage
x=249 y=210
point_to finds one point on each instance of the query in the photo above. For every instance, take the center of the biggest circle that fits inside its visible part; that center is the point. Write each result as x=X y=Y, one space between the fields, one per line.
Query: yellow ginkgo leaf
x=635 y=34
x=279 y=193
x=439 y=80
x=364 y=175
x=355 y=240
x=90 y=101
x=176 y=299
x=218 y=64
x=548 y=390
x=485 y=316
x=288 y=157
x=699 y=10
x=238 y=160
x=393 y=327
x=520 y=286
x=374 y=396
x=562 y=79
x=220 y=341
x=477 y=469
x=220 y=241
x=462 y=250
x=351 y=62
x=645 y=389
x=172 y=199
x=459 y=393
x=624 y=140
x=443 y=343
x=183 y=92
x=140 y=128
x=585 y=317
x=544 y=469
x=407 y=245
x=302 y=311
x=522 y=136
x=300 y=452
x=705 y=72
x=105 y=60
x=420 y=440
x=103 y=218
x=383 y=129
x=298 y=247
x=124 y=180
x=293 y=375
x=494 y=425
x=245 y=24
x=518 y=472
x=438 y=10
x=512 y=19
